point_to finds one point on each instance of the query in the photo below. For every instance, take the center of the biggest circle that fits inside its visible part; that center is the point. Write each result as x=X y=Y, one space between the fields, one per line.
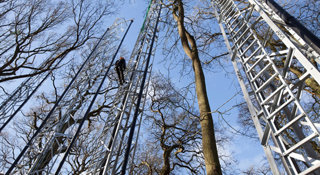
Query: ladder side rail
x=128 y=91
x=25 y=83
x=297 y=51
x=115 y=168
x=132 y=85
x=298 y=132
x=294 y=25
x=142 y=56
x=142 y=86
x=127 y=121
x=260 y=46
x=22 y=95
x=142 y=114
x=64 y=123
x=254 y=84
x=86 y=115
x=252 y=109
x=20 y=155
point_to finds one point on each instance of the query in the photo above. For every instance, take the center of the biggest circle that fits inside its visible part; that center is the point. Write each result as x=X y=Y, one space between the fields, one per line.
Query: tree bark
x=208 y=136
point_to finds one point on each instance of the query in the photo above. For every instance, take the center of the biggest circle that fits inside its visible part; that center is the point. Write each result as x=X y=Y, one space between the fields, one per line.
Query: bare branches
x=50 y=34
x=38 y=45
x=175 y=128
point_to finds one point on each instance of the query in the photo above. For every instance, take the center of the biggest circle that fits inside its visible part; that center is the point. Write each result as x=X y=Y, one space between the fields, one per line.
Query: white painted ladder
x=285 y=129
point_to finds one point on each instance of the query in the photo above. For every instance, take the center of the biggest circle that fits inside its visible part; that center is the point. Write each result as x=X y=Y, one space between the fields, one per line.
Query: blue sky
x=220 y=87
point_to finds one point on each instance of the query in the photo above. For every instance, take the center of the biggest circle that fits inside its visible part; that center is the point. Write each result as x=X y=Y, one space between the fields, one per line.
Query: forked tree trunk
x=208 y=136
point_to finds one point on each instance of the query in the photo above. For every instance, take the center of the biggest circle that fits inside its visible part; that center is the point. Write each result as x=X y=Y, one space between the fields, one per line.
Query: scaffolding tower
x=60 y=129
x=288 y=132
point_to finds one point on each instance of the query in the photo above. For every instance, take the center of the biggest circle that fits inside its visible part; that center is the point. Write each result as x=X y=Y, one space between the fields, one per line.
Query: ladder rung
x=301 y=80
x=229 y=11
x=235 y=24
x=260 y=113
x=259 y=74
x=224 y=3
x=236 y=19
x=280 y=107
x=246 y=40
x=297 y=145
x=272 y=95
x=310 y=169
x=233 y=16
x=256 y=63
x=234 y=28
x=258 y=49
x=249 y=15
x=241 y=36
x=223 y=6
x=226 y=8
x=266 y=83
x=288 y=124
x=279 y=53
x=235 y=34
x=249 y=46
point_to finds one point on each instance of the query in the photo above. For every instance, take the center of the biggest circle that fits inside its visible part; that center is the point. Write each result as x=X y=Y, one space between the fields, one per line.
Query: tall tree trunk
x=208 y=136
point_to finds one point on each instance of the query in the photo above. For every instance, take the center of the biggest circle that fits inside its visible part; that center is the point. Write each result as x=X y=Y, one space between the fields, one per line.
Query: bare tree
x=305 y=12
x=178 y=130
x=190 y=47
x=174 y=143
x=36 y=34
x=262 y=169
x=25 y=128
x=62 y=124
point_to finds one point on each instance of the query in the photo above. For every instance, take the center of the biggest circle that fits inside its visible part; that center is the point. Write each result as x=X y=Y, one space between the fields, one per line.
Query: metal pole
x=293 y=23
x=91 y=104
x=136 y=112
x=126 y=98
x=28 y=97
x=54 y=107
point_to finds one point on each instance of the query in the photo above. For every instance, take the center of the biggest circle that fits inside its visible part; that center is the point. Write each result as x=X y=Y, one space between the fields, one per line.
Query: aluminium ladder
x=274 y=98
x=112 y=156
x=58 y=130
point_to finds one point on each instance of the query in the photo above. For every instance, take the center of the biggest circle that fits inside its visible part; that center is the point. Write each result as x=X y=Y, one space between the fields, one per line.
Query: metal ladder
x=55 y=135
x=10 y=106
x=60 y=133
x=284 y=127
x=111 y=157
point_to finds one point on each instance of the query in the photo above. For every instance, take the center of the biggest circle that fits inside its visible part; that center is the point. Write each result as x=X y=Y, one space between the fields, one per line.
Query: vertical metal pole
x=136 y=112
x=294 y=24
x=54 y=107
x=91 y=104
x=28 y=97
x=125 y=101
x=246 y=95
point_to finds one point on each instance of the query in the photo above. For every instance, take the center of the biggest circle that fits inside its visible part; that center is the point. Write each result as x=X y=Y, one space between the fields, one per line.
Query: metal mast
x=57 y=129
x=273 y=91
x=21 y=95
x=92 y=97
x=118 y=145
